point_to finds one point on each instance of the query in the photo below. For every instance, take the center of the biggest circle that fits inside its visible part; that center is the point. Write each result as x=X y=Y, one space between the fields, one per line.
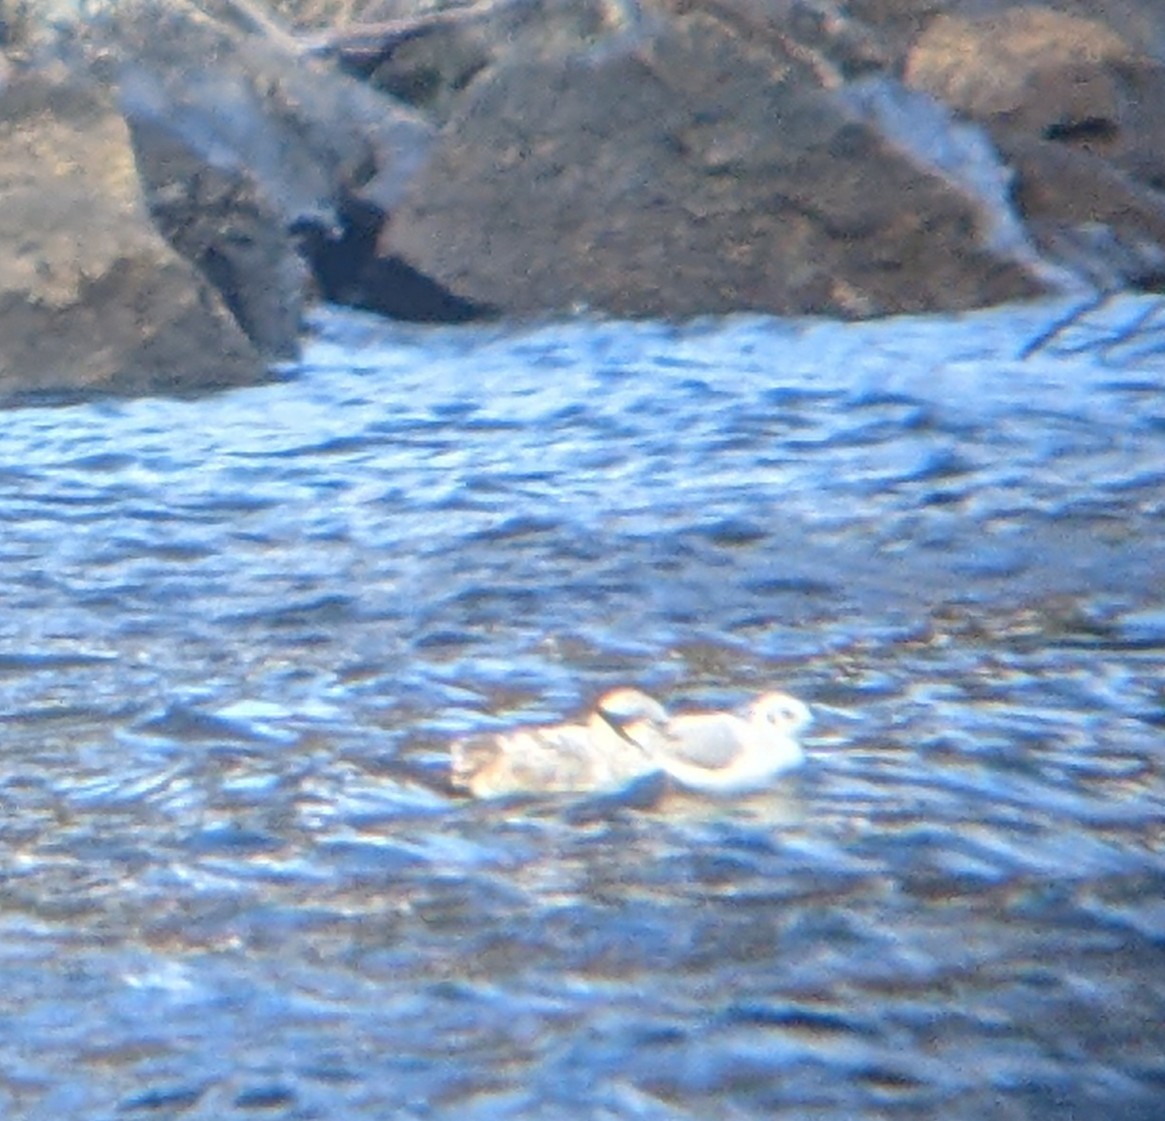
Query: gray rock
x=688 y=172
x=640 y=157
x=962 y=153
x=1075 y=108
x=92 y=298
x=251 y=156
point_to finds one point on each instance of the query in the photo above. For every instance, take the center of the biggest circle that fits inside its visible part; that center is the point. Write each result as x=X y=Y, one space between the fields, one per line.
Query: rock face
x=1075 y=109
x=178 y=177
x=1038 y=69
x=260 y=165
x=91 y=296
x=684 y=172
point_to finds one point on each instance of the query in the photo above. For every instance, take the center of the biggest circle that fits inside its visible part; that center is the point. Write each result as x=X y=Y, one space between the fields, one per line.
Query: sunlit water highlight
x=239 y=632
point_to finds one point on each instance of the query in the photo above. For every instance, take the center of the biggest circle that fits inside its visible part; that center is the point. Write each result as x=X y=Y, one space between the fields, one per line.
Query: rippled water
x=238 y=633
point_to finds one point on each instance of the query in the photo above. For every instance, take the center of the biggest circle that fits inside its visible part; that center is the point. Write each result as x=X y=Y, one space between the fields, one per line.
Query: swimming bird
x=727 y=752
x=610 y=749
x=633 y=716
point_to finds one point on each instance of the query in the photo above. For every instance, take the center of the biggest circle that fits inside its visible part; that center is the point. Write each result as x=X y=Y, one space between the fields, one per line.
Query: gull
x=727 y=752
x=630 y=735
x=613 y=747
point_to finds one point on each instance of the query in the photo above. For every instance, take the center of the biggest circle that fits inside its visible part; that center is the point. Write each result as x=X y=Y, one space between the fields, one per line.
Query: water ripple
x=239 y=633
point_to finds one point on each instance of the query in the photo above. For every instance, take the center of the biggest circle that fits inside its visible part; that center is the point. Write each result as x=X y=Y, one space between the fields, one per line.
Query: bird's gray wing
x=710 y=741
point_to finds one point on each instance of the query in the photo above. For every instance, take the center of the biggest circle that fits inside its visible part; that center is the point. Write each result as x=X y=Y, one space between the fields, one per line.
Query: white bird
x=726 y=752
x=608 y=751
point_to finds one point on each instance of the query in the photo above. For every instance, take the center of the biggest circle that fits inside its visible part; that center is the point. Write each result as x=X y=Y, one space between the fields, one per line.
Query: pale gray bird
x=602 y=754
x=727 y=752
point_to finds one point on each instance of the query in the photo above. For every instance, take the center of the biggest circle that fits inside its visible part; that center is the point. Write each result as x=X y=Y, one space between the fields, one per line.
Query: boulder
x=1033 y=69
x=682 y=171
x=1089 y=215
x=1044 y=74
x=257 y=158
x=1075 y=108
x=431 y=60
x=92 y=297
x=639 y=157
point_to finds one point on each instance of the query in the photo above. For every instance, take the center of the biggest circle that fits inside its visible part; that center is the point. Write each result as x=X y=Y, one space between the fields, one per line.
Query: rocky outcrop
x=216 y=156
x=1074 y=108
x=1035 y=69
x=518 y=157
x=92 y=298
x=261 y=165
x=688 y=171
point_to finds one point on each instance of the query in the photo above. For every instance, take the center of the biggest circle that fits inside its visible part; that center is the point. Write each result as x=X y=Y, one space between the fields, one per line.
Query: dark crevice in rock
x=400 y=291
x=1090 y=130
x=348 y=271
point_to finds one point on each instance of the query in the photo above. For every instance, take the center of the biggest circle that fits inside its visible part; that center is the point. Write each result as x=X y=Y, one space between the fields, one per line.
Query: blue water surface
x=240 y=631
